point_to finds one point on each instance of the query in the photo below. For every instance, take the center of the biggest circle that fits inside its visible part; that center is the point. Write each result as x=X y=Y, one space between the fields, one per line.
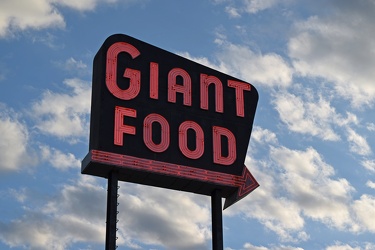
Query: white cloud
x=14 y=142
x=202 y=60
x=163 y=217
x=71 y=63
x=19 y=194
x=370 y=184
x=358 y=143
x=64 y=115
x=371 y=127
x=343 y=246
x=238 y=60
x=369 y=246
x=59 y=159
x=74 y=66
x=83 y=5
x=365 y=212
x=369 y=165
x=263 y=136
x=236 y=8
x=249 y=246
x=339 y=49
x=269 y=70
x=298 y=184
x=20 y=15
x=49 y=40
x=232 y=11
x=269 y=206
x=339 y=246
x=170 y=219
x=254 y=6
x=309 y=182
x=77 y=214
x=308 y=116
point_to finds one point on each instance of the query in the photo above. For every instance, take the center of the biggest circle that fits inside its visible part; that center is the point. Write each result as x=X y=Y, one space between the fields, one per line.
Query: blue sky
x=311 y=149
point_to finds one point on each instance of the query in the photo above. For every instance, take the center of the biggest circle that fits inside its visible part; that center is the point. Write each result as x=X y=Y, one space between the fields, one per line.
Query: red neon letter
x=205 y=83
x=120 y=127
x=218 y=157
x=185 y=88
x=199 y=140
x=154 y=80
x=240 y=87
x=147 y=133
x=111 y=72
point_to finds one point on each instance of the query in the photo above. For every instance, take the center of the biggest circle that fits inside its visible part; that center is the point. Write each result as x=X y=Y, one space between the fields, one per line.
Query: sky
x=311 y=149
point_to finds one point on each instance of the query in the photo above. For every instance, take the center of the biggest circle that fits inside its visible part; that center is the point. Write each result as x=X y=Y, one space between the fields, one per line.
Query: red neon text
x=240 y=87
x=120 y=128
x=218 y=132
x=147 y=133
x=132 y=74
x=199 y=140
x=179 y=82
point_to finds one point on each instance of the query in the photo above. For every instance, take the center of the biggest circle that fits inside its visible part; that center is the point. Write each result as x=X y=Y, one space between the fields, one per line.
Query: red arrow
x=244 y=184
x=247 y=185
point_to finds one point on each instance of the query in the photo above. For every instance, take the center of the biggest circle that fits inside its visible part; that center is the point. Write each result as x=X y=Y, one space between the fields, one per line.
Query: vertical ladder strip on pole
x=217 y=220
x=110 y=241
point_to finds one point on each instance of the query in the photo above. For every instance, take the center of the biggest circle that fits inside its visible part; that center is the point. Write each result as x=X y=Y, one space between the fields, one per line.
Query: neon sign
x=162 y=120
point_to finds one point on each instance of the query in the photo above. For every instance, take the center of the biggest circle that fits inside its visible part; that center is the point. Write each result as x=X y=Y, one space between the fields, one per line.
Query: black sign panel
x=160 y=119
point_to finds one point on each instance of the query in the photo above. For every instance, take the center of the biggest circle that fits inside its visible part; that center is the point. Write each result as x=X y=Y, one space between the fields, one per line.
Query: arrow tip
x=248 y=184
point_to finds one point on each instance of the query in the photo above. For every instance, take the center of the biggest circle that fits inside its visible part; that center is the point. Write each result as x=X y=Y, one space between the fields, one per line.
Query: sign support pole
x=217 y=220
x=110 y=241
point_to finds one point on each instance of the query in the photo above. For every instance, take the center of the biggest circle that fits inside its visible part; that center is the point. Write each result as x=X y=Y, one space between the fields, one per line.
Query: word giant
x=162 y=120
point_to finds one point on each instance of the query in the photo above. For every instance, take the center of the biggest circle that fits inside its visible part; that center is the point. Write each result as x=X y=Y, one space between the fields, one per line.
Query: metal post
x=217 y=220
x=110 y=241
